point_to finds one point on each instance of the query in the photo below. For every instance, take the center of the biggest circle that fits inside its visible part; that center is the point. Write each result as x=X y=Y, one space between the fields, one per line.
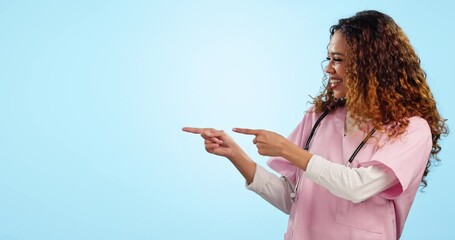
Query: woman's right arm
x=277 y=191
x=219 y=143
x=272 y=188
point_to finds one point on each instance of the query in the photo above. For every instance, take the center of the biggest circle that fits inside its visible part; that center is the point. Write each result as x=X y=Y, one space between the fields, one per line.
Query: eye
x=334 y=59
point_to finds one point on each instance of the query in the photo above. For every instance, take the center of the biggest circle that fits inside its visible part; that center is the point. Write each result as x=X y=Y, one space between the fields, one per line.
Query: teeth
x=335 y=81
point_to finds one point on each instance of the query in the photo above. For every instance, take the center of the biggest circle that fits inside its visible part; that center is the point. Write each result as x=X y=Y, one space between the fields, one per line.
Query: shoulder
x=414 y=124
x=417 y=133
x=311 y=110
x=418 y=125
x=311 y=115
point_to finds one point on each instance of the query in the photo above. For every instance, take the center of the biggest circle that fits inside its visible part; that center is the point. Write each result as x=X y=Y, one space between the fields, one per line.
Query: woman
x=352 y=167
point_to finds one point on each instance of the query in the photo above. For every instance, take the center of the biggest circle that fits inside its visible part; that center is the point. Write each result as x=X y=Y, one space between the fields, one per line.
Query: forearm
x=275 y=190
x=244 y=164
x=297 y=156
x=354 y=184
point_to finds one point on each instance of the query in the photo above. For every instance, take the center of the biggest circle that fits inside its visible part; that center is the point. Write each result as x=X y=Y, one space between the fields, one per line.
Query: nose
x=329 y=67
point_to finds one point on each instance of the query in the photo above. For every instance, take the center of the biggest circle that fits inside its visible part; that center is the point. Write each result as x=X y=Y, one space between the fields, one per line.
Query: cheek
x=341 y=71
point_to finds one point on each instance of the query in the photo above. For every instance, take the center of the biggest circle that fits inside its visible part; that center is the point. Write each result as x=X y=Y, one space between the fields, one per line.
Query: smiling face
x=336 y=67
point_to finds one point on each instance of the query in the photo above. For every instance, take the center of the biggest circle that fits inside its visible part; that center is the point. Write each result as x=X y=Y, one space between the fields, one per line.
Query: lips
x=334 y=82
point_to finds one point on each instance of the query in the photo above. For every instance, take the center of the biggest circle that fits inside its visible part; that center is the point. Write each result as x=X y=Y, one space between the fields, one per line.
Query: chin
x=339 y=95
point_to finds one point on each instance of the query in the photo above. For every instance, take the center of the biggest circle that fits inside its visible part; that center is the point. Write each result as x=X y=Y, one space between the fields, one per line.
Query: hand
x=268 y=143
x=216 y=141
x=219 y=143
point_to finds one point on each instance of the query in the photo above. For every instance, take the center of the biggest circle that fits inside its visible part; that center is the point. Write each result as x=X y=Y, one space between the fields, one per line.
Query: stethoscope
x=308 y=142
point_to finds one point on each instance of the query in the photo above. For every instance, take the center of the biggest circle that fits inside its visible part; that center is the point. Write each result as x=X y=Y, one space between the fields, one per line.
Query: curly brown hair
x=385 y=82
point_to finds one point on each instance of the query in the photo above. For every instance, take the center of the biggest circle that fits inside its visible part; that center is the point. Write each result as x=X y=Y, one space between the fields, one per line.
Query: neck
x=349 y=124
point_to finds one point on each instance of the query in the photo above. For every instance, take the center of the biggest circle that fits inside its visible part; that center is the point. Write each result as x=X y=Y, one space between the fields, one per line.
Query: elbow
x=355 y=196
x=287 y=207
x=283 y=206
x=356 y=200
x=287 y=211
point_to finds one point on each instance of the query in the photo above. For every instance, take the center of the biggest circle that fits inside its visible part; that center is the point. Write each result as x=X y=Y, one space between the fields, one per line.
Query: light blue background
x=93 y=95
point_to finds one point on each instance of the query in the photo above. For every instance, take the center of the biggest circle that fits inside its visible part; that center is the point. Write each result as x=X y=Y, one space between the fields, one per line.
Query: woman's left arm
x=354 y=184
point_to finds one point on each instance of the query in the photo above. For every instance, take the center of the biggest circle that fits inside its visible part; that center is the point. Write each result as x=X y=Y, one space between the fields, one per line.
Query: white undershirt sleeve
x=354 y=184
x=275 y=190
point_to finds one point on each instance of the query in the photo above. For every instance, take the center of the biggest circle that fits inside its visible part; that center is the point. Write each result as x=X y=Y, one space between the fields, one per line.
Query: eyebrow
x=336 y=53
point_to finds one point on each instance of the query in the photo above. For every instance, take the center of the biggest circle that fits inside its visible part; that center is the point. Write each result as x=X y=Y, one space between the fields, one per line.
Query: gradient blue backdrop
x=93 y=95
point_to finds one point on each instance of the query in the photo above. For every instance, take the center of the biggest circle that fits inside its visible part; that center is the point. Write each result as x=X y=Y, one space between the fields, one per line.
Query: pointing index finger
x=246 y=131
x=193 y=130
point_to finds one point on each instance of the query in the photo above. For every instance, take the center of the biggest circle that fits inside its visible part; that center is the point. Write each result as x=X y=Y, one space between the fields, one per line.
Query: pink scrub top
x=318 y=214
